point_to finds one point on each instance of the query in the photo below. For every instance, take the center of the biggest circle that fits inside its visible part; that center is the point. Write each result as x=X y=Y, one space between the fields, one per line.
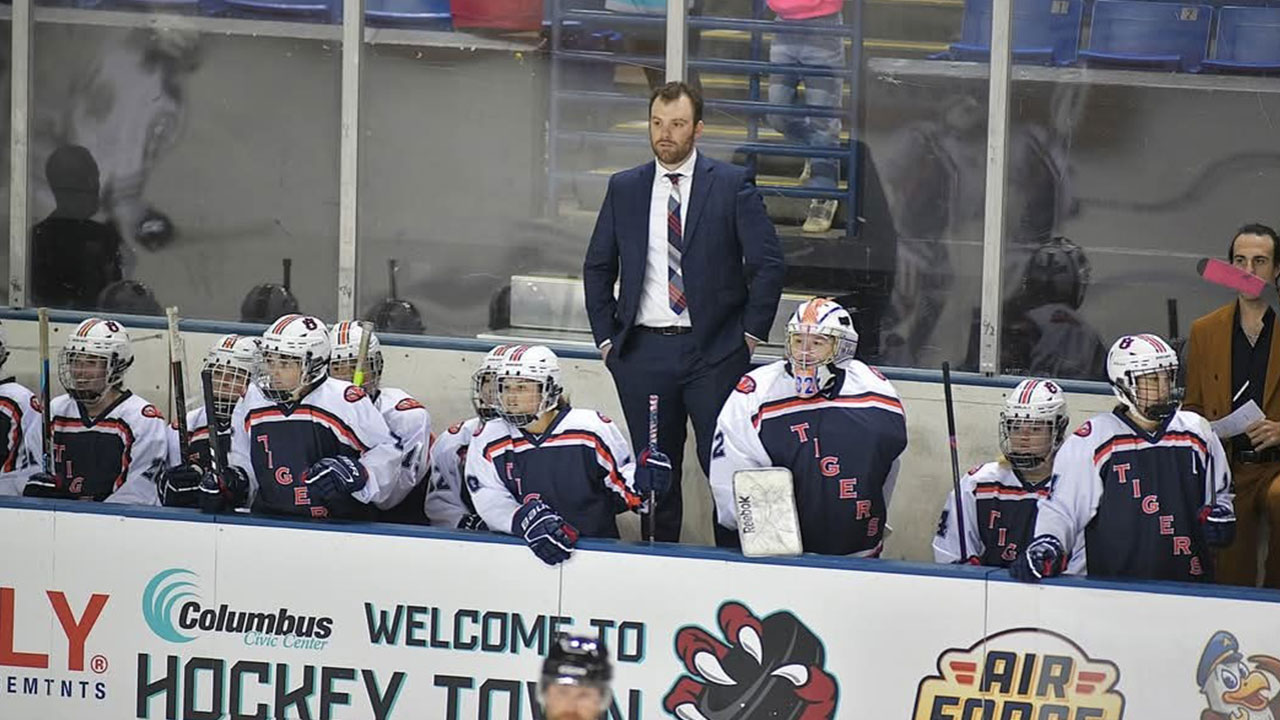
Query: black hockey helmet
x=269 y=301
x=577 y=660
x=1058 y=272
x=128 y=297
x=393 y=314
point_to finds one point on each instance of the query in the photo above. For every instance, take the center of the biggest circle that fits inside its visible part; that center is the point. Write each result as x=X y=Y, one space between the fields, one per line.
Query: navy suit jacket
x=732 y=263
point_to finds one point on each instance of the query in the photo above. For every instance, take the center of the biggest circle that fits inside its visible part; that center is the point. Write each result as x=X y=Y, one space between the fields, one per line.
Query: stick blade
x=768 y=524
x=1227 y=275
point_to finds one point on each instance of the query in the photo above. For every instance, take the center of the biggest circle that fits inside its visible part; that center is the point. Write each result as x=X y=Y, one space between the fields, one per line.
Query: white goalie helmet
x=293 y=339
x=233 y=363
x=1033 y=423
x=532 y=363
x=484 y=385
x=344 y=342
x=820 y=334
x=94 y=359
x=1143 y=370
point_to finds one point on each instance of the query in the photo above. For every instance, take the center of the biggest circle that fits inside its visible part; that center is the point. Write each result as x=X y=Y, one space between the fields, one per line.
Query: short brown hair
x=672 y=92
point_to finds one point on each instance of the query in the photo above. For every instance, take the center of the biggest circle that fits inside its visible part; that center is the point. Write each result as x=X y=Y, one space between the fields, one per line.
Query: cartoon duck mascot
x=1236 y=689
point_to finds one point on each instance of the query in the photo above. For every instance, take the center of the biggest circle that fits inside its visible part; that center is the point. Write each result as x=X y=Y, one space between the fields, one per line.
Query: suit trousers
x=1257 y=487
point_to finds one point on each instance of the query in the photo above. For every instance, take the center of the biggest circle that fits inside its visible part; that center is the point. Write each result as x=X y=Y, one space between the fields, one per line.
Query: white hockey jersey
x=842 y=447
x=115 y=457
x=410 y=423
x=999 y=510
x=276 y=443
x=448 y=499
x=21 y=436
x=581 y=466
x=1127 y=501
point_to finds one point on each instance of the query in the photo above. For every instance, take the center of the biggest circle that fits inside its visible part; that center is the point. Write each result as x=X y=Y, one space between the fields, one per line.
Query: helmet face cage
x=1028 y=443
x=484 y=393
x=344 y=368
x=295 y=356
x=87 y=375
x=511 y=410
x=273 y=379
x=344 y=339
x=1153 y=393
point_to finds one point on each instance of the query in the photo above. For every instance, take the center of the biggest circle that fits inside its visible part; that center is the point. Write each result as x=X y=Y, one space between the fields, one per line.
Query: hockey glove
x=334 y=478
x=180 y=486
x=227 y=491
x=471 y=521
x=548 y=535
x=47 y=485
x=653 y=473
x=1219 y=525
x=1044 y=558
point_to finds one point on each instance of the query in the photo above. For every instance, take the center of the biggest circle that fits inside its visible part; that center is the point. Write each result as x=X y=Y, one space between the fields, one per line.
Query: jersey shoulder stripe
x=307 y=413
x=866 y=400
x=1132 y=442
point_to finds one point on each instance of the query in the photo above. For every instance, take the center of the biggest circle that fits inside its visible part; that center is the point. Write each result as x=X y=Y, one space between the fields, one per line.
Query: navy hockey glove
x=223 y=492
x=47 y=485
x=548 y=535
x=653 y=473
x=1044 y=558
x=334 y=478
x=179 y=486
x=471 y=521
x=1219 y=525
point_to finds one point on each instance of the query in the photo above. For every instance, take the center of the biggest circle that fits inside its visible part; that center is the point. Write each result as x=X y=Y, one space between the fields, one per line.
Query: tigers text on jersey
x=1127 y=501
x=115 y=457
x=21 y=436
x=448 y=498
x=276 y=443
x=581 y=466
x=198 y=441
x=999 y=511
x=410 y=424
x=841 y=446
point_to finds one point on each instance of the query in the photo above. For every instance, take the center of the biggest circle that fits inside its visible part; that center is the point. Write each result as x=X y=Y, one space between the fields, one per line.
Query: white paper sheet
x=1239 y=421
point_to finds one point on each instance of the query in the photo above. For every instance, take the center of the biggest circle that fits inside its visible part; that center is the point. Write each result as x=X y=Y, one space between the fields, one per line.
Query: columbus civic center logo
x=159 y=599
x=762 y=668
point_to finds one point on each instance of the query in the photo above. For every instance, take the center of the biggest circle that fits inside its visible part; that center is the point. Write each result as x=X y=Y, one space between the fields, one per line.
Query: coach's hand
x=1264 y=434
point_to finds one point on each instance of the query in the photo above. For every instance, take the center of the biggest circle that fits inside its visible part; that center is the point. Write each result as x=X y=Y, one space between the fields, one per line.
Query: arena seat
x=1248 y=40
x=1148 y=35
x=1045 y=32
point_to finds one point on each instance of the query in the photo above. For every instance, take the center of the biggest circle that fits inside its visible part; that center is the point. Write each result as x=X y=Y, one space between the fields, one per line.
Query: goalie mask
x=1143 y=370
x=820 y=335
x=575 y=679
x=295 y=356
x=233 y=362
x=1033 y=423
x=528 y=384
x=94 y=359
x=344 y=340
x=484 y=383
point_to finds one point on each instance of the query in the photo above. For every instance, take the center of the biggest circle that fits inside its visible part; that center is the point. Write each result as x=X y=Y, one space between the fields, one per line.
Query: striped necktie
x=675 y=247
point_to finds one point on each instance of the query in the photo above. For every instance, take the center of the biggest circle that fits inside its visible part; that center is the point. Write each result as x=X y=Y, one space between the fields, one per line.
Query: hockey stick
x=46 y=413
x=219 y=452
x=1172 y=305
x=287 y=264
x=1227 y=275
x=179 y=385
x=362 y=357
x=648 y=521
x=955 y=460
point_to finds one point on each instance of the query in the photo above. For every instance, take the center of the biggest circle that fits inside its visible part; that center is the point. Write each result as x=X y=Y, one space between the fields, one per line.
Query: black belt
x=1256 y=456
x=668 y=330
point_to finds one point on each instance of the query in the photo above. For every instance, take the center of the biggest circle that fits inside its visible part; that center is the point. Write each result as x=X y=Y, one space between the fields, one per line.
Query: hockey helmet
x=1143 y=370
x=1033 y=423
x=820 y=334
x=344 y=340
x=484 y=386
x=1058 y=272
x=232 y=363
x=129 y=297
x=576 y=678
x=94 y=359
x=293 y=341
x=528 y=364
x=267 y=301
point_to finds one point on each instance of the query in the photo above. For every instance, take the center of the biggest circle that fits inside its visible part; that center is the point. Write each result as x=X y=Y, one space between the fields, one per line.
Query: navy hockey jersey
x=276 y=443
x=581 y=466
x=1127 y=501
x=21 y=436
x=115 y=457
x=841 y=446
x=999 y=511
x=448 y=499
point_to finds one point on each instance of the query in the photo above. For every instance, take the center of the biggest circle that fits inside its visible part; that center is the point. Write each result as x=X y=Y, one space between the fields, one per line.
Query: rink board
x=109 y=613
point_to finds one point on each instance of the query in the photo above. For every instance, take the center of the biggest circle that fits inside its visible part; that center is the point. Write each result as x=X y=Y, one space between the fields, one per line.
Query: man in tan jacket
x=1233 y=356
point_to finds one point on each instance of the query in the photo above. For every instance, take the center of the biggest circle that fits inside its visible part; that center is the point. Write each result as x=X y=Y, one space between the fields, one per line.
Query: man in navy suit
x=701 y=274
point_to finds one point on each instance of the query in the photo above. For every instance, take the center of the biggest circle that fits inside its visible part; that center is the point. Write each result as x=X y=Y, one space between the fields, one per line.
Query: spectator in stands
x=73 y=257
x=1233 y=357
x=701 y=274
x=801 y=47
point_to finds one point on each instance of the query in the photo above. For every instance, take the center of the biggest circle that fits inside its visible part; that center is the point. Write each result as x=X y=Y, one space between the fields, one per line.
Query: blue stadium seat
x=325 y=10
x=434 y=13
x=1045 y=32
x=1151 y=35
x=1248 y=40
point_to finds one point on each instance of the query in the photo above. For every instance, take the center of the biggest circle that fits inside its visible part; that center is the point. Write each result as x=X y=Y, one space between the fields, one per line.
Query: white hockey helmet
x=820 y=334
x=94 y=359
x=1033 y=423
x=300 y=339
x=233 y=362
x=344 y=340
x=1134 y=357
x=535 y=363
x=484 y=386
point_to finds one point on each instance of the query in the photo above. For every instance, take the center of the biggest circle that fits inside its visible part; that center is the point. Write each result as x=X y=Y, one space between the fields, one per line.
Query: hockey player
x=303 y=443
x=831 y=420
x=1000 y=498
x=449 y=501
x=21 y=438
x=575 y=679
x=408 y=420
x=108 y=444
x=1143 y=491
x=233 y=362
x=546 y=471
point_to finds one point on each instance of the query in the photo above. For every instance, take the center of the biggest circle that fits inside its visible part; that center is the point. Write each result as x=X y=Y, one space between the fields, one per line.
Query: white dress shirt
x=655 y=302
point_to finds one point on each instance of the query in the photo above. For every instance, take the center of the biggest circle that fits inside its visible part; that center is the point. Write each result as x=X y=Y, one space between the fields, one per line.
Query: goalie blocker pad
x=765 y=504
